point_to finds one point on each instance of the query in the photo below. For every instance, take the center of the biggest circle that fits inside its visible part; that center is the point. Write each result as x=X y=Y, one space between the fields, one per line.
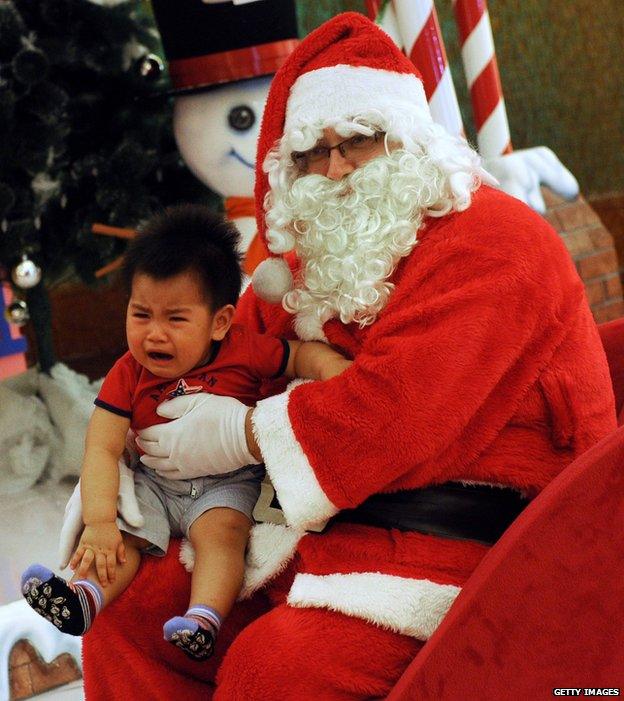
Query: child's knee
x=227 y=525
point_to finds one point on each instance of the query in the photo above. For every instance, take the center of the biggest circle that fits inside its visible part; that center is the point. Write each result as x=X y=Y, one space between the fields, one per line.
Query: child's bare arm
x=101 y=542
x=314 y=361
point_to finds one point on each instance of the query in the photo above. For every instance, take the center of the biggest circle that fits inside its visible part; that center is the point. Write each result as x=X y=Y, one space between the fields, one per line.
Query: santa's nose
x=339 y=166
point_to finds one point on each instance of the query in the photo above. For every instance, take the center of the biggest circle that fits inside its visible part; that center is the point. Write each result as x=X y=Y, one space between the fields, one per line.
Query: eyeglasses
x=354 y=149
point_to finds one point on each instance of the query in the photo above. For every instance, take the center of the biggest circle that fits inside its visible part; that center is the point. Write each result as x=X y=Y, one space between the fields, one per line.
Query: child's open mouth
x=155 y=355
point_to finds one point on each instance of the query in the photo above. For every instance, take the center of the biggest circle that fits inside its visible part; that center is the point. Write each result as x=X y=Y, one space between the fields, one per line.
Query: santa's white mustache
x=400 y=184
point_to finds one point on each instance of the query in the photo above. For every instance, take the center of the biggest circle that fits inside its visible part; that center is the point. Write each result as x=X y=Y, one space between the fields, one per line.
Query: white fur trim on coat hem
x=303 y=501
x=413 y=607
x=271 y=547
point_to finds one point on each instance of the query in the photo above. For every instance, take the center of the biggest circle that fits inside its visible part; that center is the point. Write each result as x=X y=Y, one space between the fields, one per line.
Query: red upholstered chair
x=612 y=335
x=544 y=609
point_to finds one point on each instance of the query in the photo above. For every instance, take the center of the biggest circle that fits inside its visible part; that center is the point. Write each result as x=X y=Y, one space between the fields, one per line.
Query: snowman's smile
x=239 y=158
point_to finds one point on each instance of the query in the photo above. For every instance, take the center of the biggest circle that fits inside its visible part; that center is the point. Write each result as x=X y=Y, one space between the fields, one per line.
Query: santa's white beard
x=349 y=235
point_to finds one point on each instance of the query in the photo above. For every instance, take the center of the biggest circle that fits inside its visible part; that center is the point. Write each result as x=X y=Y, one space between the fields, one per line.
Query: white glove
x=521 y=173
x=207 y=437
x=72 y=527
x=127 y=506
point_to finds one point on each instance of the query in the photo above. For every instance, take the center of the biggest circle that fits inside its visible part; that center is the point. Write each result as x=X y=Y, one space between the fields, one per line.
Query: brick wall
x=593 y=250
x=610 y=208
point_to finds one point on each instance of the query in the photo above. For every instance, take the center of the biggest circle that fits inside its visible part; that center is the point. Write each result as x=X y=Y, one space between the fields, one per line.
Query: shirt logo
x=182 y=389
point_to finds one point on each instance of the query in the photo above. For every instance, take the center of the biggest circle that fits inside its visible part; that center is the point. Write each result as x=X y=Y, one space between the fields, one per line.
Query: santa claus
x=477 y=376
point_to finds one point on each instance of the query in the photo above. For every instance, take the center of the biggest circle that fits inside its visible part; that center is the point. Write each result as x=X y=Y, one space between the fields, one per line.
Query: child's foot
x=193 y=639
x=195 y=632
x=72 y=608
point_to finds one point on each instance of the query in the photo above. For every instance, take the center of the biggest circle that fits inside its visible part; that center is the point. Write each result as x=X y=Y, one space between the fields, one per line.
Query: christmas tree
x=80 y=142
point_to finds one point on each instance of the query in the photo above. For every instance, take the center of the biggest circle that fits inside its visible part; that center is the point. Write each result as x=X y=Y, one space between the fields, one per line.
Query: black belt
x=451 y=510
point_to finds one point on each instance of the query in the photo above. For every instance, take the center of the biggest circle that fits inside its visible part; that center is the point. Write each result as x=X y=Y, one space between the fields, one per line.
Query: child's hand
x=102 y=544
x=315 y=361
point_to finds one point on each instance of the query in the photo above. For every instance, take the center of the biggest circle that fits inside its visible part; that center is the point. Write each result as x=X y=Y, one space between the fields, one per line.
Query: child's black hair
x=183 y=238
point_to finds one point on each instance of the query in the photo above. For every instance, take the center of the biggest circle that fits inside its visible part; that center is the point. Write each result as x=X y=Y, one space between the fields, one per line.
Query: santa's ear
x=272 y=279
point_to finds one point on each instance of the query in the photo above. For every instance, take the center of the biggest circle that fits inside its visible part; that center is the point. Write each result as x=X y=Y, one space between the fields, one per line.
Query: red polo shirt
x=236 y=368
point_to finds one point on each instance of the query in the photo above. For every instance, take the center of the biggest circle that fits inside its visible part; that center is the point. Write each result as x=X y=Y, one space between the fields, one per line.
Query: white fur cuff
x=301 y=497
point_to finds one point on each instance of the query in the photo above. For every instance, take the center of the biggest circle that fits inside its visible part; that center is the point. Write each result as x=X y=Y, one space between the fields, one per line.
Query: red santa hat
x=347 y=68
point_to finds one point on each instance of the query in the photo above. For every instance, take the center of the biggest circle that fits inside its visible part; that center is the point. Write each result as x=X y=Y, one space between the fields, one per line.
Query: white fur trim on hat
x=413 y=607
x=341 y=92
x=303 y=501
x=272 y=279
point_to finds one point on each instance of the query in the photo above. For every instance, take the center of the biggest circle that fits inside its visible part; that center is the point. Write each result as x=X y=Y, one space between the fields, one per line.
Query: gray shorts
x=171 y=506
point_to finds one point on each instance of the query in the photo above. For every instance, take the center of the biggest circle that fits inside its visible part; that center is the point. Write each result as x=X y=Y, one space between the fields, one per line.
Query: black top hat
x=209 y=43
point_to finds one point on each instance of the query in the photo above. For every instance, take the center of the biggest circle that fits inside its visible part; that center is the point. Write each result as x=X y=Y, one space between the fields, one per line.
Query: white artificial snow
x=27 y=436
x=68 y=397
x=43 y=422
x=19 y=622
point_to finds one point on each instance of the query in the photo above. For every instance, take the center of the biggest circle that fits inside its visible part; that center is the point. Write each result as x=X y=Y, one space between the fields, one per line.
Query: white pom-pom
x=187 y=555
x=272 y=279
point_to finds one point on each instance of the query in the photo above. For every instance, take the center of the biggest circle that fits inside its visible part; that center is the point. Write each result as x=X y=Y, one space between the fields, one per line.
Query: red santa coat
x=485 y=366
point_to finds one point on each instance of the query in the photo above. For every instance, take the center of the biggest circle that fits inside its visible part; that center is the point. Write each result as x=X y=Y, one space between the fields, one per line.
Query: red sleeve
x=118 y=387
x=248 y=311
x=268 y=356
x=263 y=317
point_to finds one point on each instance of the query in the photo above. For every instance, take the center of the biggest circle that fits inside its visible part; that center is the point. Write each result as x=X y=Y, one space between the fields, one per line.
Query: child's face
x=169 y=324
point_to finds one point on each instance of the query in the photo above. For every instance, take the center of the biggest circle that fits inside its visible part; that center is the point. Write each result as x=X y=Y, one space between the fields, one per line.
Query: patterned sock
x=207 y=617
x=71 y=607
x=195 y=632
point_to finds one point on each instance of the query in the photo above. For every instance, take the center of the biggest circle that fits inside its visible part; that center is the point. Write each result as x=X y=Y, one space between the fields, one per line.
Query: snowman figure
x=221 y=58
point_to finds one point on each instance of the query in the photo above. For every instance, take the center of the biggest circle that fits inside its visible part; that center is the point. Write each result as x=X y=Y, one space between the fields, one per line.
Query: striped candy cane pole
x=372 y=8
x=382 y=13
x=422 y=39
x=488 y=104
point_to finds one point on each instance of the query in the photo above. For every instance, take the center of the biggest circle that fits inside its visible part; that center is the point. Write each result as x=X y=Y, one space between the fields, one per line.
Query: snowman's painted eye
x=241 y=118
